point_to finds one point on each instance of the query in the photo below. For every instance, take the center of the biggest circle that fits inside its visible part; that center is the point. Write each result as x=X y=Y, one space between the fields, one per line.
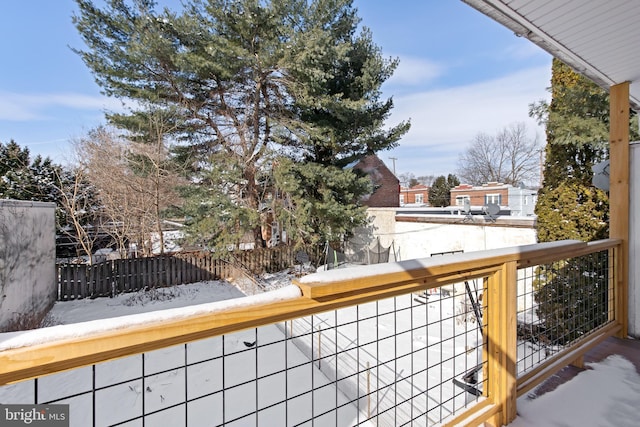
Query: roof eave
x=522 y=27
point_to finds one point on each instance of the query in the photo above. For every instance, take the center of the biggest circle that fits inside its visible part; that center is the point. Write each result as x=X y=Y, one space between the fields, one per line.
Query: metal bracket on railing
x=469 y=380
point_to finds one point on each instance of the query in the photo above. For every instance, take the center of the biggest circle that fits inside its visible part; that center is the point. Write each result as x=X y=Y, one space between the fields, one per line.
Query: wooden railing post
x=501 y=342
x=619 y=287
x=619 y=191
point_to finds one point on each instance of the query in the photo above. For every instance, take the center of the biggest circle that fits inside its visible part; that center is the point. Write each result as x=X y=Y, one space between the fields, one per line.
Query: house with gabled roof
x=386 y=186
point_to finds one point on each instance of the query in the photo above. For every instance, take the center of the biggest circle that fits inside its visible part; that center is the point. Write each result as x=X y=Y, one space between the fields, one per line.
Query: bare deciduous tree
x=150 y=160
x=134 y=182
x=103 y=158
x=511 y=157
x=408 y=179
x=77 y=201
x=427 y=180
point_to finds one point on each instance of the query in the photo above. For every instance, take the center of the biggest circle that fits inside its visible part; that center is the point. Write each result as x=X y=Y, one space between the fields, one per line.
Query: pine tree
x=253 y=81
x=319 y=203
x=40 y=179
x=339 y=105
x=568 y=206
x=23 y=178
x=440 y=191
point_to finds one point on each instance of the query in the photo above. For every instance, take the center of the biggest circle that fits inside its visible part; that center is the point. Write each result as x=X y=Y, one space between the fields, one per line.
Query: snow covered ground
x=159 y=382
x=396 y=337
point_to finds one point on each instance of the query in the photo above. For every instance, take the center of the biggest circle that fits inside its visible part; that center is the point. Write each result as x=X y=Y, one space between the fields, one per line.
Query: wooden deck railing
x=336 y=289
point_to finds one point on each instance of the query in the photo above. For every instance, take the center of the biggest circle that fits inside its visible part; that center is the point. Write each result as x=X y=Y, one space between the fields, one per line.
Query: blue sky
x=460 y=74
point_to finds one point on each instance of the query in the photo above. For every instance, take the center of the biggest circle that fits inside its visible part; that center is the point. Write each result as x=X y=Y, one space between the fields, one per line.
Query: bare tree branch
x=134 y=182
x=510 y=156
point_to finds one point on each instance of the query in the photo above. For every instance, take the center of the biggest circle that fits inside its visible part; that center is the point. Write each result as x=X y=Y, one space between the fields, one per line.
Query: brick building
x=492 y=192
x=386 y=187
x=418 y=194
x=521 y=201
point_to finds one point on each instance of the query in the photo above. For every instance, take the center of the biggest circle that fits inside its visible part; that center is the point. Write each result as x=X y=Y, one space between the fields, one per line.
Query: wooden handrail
x=321 y=292
x=332 y=283
x=570 y=251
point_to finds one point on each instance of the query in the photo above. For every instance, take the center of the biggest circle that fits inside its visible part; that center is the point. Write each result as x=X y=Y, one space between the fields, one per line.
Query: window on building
x=526 y=200
x=419 y=198
x=460 y=200
x=493 y=198
x=402 y=199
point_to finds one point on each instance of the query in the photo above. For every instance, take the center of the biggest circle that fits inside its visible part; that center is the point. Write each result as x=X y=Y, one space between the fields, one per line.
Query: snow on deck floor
x=605 y=395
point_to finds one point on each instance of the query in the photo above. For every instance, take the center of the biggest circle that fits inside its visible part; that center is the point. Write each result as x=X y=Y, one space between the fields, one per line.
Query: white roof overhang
x=599 y=39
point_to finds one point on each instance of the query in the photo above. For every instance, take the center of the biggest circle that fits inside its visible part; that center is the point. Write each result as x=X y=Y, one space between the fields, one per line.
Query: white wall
x=421 y=239
x=522 y=201
x=634 y=241
x=27 y=259
x=412 y=238
x=383 y=224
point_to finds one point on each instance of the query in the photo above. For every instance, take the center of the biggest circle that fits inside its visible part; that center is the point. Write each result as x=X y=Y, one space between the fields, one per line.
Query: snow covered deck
x=613 y=346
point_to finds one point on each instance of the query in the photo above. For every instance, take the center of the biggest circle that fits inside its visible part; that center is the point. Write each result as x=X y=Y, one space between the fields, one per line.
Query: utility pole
x=394 y=163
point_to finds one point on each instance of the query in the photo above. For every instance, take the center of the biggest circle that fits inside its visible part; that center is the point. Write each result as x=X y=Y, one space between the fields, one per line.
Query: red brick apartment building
x=492 y=192
x=418 y=195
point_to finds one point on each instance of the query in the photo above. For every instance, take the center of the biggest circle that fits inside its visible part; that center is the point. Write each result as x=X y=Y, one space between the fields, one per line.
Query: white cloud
x=414 y=71
x=25 y=107
x=444 y=121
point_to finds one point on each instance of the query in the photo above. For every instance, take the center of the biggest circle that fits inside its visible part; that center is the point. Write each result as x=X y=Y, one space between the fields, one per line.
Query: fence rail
x=341 y=348
x=108 y=278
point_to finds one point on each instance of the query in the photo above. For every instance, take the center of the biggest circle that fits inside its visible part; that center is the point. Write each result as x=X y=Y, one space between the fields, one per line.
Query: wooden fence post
x=125 y=264
x=153 y=272
x=62 y=288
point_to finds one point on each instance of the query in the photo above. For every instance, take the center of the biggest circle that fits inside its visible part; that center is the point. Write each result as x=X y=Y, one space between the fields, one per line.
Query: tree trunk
x=253 y=202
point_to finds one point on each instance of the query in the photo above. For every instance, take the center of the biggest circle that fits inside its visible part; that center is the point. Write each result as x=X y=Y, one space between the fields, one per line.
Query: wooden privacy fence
x=112 y=277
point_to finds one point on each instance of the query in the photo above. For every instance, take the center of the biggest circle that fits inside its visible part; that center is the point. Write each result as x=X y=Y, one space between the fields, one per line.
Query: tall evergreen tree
x=40 y=179
x=568 y=206
x=24 y=178
x=319 y=203
x=440 y=191
x=253 y=81
x=577 y=129
x=338 y=103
